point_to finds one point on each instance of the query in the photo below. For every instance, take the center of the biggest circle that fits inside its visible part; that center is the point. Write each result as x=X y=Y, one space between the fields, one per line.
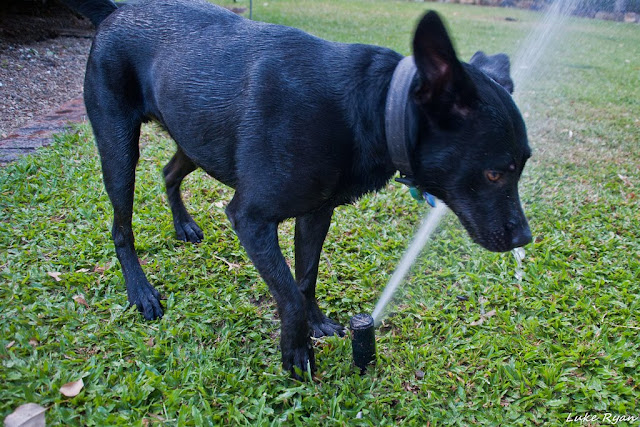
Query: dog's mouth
x=497 y=227
x=497 y=241
x=496 y=236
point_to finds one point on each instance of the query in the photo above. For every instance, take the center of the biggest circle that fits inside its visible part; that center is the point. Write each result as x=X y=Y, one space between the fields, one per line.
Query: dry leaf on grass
x=73 y=388
x=625 y=180
x=231 y=265
x=80 y=300
x=27 y=415
x=55 y=275
x=101 y=269
x=482 y=318
x=157 y=417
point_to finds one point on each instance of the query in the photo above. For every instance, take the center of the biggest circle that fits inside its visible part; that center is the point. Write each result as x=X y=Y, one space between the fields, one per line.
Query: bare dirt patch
x=43 y=52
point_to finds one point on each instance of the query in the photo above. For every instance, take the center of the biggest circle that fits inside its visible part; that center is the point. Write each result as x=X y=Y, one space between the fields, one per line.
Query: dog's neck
x=399 y=123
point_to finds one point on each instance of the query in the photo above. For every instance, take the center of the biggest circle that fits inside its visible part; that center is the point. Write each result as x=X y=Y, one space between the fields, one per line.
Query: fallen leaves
x=80 y=300
x=55 y=275
x=483 y=317
x=100 y=270
x=97 y=269
x=73 y=388
x=157 y=417
x=626 y=181
x=27 y=415
x=231 y=265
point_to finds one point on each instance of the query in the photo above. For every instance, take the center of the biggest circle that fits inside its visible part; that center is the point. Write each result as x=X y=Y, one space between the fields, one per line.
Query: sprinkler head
x=363 y=341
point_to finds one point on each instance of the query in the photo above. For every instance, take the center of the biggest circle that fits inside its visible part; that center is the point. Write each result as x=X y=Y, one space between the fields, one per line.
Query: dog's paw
x=326 y=327
x=300 y=362
x=188 y=231
x=147 y=299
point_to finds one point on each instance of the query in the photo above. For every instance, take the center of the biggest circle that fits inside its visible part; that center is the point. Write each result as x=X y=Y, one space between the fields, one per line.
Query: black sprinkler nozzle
x=363 y=341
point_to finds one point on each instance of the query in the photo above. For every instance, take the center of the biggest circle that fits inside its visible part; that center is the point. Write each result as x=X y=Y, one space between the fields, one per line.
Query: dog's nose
x=521 y=238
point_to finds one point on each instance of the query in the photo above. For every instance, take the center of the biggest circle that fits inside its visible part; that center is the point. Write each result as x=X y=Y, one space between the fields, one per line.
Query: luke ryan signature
x=606 y=418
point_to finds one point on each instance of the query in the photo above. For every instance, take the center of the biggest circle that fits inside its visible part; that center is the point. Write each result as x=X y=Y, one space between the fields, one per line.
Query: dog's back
x=208 y=75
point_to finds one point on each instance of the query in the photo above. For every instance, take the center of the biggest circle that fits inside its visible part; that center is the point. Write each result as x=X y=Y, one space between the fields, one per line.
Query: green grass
x=565 y=340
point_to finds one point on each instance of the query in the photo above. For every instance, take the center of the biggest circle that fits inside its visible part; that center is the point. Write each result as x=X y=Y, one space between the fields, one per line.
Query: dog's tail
x=95 y=10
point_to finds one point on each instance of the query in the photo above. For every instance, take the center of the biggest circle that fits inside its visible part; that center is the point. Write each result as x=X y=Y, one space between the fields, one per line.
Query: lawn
x=562 y=342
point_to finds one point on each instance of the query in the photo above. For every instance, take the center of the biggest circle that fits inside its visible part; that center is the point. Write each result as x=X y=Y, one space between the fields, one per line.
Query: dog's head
x=472 y=142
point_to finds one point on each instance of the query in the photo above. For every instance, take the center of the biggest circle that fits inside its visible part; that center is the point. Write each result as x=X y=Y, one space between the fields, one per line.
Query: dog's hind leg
x=117 y=139
x=311 y=230
x=174 y=172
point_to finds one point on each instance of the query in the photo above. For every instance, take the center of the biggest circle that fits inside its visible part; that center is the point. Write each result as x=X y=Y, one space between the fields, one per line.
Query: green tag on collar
x=416 y=194
x=420 y=197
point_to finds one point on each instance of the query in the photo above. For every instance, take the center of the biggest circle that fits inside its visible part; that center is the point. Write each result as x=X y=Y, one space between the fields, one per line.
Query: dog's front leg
x=259 y=236
x=311 y=230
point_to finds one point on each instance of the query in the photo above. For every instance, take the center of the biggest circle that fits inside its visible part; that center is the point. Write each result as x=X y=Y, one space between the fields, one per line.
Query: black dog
x=296 y=125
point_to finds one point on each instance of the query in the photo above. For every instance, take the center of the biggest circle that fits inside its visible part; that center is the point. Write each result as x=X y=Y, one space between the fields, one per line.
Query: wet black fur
x=295 y=124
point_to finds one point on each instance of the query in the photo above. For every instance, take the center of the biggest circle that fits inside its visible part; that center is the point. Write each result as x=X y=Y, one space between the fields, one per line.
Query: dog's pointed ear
x=496 y=66
x=445 y=89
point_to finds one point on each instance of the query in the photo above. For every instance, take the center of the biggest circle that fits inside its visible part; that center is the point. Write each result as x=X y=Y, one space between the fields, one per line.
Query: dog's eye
x=493 y=176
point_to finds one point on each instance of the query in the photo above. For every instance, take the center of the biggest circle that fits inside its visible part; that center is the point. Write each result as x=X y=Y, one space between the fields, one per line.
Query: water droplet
x=518 y=254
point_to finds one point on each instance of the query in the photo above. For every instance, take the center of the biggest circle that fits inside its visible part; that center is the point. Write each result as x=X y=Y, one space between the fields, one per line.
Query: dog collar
x=400 y=127
x=396 y=120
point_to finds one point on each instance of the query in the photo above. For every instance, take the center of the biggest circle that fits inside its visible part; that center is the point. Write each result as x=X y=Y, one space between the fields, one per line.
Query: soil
x=43 y=52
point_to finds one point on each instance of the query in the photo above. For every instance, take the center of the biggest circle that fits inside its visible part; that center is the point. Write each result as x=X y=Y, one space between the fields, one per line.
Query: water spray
x=527 y=61
x=427 y=228
x=363 y=325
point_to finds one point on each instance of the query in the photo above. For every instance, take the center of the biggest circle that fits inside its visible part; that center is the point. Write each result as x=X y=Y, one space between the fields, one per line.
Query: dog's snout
x=521 y=238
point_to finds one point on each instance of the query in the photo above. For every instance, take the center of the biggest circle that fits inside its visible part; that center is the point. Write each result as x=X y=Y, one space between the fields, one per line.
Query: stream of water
x=427 y=228
x=550 y=28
